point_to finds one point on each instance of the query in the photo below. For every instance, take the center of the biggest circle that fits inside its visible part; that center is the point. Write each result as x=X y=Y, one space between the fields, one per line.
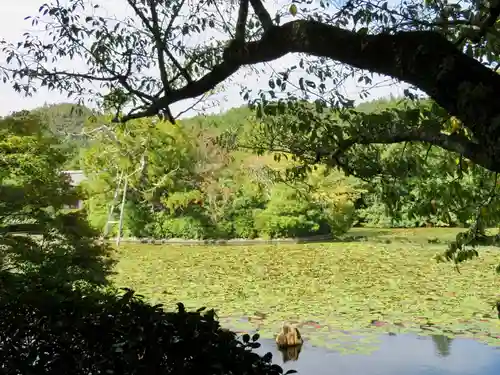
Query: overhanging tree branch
x=462 y=85
x=453 y=142
x=425 y=59
x=490 y=20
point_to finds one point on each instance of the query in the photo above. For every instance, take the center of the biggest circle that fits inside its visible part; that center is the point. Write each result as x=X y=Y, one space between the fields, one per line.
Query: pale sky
x=13 y=25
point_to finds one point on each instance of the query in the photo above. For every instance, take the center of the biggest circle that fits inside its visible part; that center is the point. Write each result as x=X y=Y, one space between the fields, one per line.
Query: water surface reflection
x=396 y=355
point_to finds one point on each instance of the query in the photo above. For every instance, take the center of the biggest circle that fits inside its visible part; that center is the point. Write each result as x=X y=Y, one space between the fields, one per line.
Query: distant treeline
x=186 y=180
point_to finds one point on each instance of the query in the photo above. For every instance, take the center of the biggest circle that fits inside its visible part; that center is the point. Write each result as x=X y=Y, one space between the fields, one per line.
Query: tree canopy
x=142 y=63
x=35 y=200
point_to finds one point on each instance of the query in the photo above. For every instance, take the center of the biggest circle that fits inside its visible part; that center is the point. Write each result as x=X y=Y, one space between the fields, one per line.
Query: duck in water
x=289 y=336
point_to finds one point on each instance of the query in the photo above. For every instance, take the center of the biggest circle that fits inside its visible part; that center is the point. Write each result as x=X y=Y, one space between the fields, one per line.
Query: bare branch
x=61 y=73
x=177 y=10
x=155 y=28
x=242 y=20
x=200 y=99
x=160 y=45
x=123 y=79
x=262 y=14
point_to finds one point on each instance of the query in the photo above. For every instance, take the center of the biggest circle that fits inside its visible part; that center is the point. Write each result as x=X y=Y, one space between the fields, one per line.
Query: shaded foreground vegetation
x=53 y=329
x=340 y=286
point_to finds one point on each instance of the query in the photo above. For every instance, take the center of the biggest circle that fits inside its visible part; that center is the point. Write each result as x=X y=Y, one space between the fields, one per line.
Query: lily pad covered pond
x=330 y=289
x=395 y=355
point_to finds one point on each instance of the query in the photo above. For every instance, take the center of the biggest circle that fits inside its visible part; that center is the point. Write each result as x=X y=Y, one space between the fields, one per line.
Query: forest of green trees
x=241 y=175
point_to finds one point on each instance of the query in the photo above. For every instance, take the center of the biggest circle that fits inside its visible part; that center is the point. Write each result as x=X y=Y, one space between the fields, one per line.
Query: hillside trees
x=185 y=185
x=66 y=122
x=158 y=162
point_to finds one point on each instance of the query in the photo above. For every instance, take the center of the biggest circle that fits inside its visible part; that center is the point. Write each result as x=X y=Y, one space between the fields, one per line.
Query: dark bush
x=50 y=330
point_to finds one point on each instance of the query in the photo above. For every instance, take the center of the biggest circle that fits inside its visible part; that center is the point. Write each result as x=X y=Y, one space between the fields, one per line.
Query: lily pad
x=339 y=286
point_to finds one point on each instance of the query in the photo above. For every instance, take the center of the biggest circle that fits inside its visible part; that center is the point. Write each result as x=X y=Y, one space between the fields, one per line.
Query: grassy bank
x=339 y=286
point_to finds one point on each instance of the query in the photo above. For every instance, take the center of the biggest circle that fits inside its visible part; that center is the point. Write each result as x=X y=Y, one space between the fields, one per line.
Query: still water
x=396 y=355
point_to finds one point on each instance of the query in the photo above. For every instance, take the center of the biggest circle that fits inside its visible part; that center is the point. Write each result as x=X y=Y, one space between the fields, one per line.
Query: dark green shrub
x=222 y=230
x=186 y=227
x=278 y=226
x=342 y=218
x=244 y=226
x=136 y=219
x=289 y=214
x=38 y=233
x=241 y=213
x=44 y=330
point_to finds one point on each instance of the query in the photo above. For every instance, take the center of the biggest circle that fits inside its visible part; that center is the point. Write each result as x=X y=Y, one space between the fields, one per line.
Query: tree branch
x=155 y=29
x=262 y=14
x=177 y=10
x=453 y=143
x=490 y=20
x=241 y=22
x=425 y=59
x=160 y=45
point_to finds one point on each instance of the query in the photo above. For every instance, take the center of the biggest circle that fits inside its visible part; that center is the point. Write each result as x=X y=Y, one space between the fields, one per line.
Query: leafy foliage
x=141 y=65
x=435 y=188
x=158 y=163
x=389 y=185
x=185 y=185
x=72 y=331
x=53 y=318
x=66 y=121
x=35 y=194
x=403 y=185
x=289 y=215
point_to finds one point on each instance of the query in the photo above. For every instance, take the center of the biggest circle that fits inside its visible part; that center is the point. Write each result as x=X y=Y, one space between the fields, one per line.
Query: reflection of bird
x=291 y=353
x=442 y=344
x=498 y=309
x=289 y=336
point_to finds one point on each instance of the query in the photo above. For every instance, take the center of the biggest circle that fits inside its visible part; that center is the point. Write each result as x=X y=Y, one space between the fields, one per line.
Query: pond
x=404 y=354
